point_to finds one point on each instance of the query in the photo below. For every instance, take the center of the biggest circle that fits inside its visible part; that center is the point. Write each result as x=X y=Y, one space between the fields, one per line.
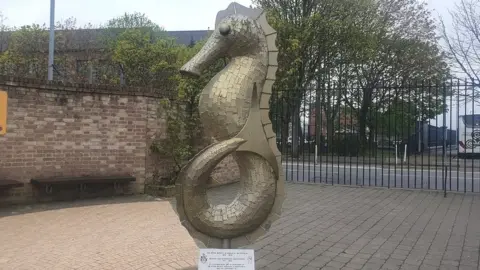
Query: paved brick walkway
x=329 y=227
x=122 y=233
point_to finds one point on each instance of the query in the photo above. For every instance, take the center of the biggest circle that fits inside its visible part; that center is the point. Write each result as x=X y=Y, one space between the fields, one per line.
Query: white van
x=469 y=135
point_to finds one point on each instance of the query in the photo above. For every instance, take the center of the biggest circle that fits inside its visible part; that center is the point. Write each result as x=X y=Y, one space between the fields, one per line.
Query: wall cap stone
x=39 y=84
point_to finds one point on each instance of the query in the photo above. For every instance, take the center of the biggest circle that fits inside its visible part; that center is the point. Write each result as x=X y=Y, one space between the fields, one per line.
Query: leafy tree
x=146 y=63
x=338 y=25
x=399 y=120
x=354 y=53
x=25 y=56
x=4 y=35
x=129 y=22
x=398 y=47
x=133 y=20
x=138 y=50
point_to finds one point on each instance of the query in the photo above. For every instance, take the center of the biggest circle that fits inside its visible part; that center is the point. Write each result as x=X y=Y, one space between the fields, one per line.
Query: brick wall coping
x=83 y=87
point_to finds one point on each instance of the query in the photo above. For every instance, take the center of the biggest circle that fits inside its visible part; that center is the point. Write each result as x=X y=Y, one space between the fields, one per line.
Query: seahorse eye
x=224 y=29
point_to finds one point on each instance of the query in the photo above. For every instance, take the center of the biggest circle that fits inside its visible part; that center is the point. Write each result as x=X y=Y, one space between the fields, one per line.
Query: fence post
x=396 y=153
x=444 y=145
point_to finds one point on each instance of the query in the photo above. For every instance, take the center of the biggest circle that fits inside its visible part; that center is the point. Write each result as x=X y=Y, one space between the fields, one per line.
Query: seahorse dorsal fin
x=237 y=9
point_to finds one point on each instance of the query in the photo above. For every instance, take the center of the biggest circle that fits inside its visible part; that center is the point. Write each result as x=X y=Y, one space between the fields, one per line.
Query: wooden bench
x=7 y=183
x=81 y=181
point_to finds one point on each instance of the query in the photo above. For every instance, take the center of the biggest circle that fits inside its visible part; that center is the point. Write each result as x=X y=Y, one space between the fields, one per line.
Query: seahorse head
x=234 y=36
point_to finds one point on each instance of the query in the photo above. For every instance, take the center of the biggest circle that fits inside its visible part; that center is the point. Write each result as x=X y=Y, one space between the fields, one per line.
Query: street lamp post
x=51 y=44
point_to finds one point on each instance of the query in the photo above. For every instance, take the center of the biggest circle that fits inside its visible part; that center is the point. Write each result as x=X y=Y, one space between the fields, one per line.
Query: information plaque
x=226 y=259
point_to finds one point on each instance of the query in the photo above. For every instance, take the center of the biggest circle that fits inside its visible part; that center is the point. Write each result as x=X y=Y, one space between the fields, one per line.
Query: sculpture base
x=226 y=243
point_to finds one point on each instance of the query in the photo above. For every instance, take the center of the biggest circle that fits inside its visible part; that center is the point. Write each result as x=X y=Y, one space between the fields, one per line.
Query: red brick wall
x=75 y=130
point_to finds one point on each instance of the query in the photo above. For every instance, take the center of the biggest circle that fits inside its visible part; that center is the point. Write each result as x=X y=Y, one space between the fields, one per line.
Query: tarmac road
x=411 y=177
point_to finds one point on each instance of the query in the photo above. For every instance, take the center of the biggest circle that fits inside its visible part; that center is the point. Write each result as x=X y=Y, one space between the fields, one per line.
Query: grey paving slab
x=337 y=227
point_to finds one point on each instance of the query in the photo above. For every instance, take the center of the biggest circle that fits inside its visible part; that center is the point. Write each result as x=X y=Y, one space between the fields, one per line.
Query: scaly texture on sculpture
x=234 y=109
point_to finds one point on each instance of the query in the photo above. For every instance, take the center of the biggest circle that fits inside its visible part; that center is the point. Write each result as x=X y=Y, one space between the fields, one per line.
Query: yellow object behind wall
x=3 y=112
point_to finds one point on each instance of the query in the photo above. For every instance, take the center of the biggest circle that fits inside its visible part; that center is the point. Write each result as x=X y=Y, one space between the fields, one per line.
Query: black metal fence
x=414 y=136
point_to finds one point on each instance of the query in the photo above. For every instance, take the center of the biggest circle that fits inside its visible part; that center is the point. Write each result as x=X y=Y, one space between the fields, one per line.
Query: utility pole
x=51 y=44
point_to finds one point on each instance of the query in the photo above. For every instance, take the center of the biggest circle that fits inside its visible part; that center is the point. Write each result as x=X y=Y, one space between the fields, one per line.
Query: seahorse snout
x=213 y=49
x=189 y=70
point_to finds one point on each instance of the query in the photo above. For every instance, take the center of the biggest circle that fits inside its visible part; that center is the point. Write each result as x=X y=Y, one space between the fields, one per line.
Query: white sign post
x=226 y=259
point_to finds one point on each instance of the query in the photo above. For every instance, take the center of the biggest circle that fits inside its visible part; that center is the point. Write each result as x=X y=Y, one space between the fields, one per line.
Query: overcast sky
x=171 y=14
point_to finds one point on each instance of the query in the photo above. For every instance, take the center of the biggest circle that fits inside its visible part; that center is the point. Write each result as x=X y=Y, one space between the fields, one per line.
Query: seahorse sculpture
x=234 y=109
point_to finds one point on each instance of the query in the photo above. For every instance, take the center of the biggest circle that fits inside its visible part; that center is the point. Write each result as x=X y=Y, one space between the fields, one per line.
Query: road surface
x=458 y=179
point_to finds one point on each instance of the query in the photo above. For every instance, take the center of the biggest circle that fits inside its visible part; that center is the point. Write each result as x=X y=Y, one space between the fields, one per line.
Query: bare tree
x=463 y=41
x=4 y=32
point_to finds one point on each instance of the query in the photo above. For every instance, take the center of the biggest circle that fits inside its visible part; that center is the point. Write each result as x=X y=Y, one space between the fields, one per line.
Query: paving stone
x=330 y=268
x=393 y=262
x=271 y=257
x=407 y=266
x=447 y=267
x=452 y=263
x=293 y=254
x=261 y=253
x=300 y=261
x=337 y=265
x=316 y=251
x=376 y=261
x=310 y=268
x=428 y=267
x=316 y=263
x=276 y=265
x=372 y=266
x=292 y=267
x=381 y=255
x=341 y=259
x=282 y=250
x=433 y=262
x=404 y=247
x=330 y=254
x=349 y=268
x=416 y=262
x=398 y=256
x=467 y=267
x=362 y=256
x=354 y=265
x=262 y=263
x=285 y=260
x=307 y=256
x=346 y=255
x=356 y=260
